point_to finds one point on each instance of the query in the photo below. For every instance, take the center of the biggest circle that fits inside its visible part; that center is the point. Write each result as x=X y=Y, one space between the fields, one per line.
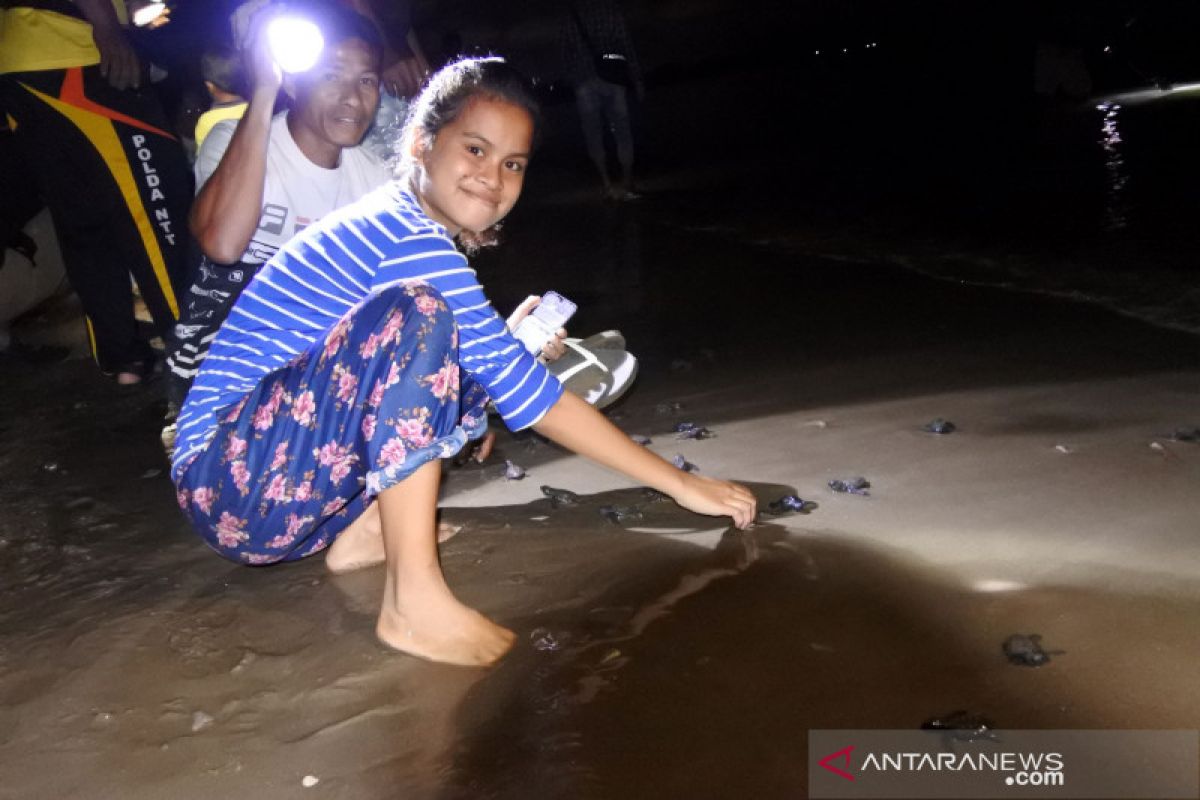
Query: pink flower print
x=318 y=545
x=393 y=375
x=368 y=426
x=333 y=506
x=391 y=328
x=277 y=395
x=347 y=384
x=241 y=476
x=203 y=497
x=392 y=453
x=277 y=489
x=336 y=337
x=259 y=558
x=229 y=530
x=342 y=468
x=235 y=449
x=182 y=497
x=376 y=395
x=303 y=492
x=237 y=409
x=444 y=383
x=264 y=417
x=426 y=304
x=415 y=432
x=280 y=458
x=330 y=453
x=303 y=408
x=369 y=347
x=294 y=525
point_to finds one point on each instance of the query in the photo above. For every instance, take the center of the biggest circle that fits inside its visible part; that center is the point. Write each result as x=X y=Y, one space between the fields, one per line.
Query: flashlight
x=148 y=13
x=296 y=43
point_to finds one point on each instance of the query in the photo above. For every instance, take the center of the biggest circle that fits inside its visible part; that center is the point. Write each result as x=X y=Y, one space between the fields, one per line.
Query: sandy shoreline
x=134 y=663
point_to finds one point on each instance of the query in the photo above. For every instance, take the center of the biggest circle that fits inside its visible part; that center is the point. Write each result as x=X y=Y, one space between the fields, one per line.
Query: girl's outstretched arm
x=577 y=426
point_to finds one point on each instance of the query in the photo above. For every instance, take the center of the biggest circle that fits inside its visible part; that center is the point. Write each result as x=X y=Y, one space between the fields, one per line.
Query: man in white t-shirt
x=263 y=179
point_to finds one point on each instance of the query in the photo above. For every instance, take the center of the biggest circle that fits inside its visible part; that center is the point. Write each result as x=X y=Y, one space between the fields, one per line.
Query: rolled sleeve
x=523 y=391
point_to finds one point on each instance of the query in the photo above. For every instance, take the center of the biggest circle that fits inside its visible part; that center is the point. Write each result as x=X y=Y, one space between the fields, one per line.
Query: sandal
x=597 y=368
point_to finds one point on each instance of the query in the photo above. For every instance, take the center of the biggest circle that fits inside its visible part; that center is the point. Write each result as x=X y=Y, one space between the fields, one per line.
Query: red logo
x=843 y=754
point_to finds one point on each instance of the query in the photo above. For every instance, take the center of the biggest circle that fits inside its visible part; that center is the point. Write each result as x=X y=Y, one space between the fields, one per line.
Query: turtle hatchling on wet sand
x=560 y=497
x=1186 y=435
x=513 y=472
x=1027 y=651
x=690 y=430
x=858 y=485
x=682 y=463
x=790 y=503
x=618 y=514
x=940 y=425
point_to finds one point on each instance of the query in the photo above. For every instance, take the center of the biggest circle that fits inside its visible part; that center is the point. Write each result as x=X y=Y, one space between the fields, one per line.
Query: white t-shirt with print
x=297 y=192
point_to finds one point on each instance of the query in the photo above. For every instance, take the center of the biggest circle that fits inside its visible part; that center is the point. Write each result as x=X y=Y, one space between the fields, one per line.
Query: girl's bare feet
x=361 y=544
x=427 y=621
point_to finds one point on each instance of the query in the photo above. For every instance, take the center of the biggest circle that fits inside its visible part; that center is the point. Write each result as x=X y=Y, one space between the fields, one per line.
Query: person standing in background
x=601 y=63
x=221 y=68
x=115 y=179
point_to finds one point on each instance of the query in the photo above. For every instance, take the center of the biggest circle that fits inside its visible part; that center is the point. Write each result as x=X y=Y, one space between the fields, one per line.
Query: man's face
x=337 y=98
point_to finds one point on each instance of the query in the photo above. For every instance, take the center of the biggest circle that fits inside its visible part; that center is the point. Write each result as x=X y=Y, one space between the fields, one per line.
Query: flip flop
x=598 y=368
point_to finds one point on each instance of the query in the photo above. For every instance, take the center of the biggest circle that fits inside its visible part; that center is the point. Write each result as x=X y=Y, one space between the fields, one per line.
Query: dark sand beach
x=665 y=656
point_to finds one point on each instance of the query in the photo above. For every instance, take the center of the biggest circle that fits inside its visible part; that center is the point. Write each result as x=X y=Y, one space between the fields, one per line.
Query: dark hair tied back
x=446 y=95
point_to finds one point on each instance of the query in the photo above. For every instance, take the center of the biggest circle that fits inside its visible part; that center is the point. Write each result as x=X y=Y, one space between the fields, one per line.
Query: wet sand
x=664 y=656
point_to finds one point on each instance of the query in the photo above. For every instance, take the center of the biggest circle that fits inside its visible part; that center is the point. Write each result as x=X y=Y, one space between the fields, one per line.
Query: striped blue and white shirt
x=293 y=302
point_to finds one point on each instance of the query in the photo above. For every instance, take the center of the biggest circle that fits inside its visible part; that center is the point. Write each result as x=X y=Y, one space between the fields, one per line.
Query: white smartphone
x=540 y=325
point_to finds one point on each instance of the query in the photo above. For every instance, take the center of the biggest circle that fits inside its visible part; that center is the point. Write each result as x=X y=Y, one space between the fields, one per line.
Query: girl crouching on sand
x=365 y=351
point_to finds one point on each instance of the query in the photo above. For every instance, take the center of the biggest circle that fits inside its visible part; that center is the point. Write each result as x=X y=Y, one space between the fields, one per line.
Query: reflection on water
x=1116 y=215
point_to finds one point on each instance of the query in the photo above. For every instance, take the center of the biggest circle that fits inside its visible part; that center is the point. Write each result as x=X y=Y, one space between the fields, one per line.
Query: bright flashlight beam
x=295 y=43
x=148 y=13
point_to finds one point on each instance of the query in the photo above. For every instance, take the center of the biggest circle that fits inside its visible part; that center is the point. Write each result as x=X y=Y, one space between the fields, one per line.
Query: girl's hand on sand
x=718 y=498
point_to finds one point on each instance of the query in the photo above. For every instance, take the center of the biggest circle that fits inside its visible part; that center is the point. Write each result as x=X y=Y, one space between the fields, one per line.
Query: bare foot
x=447 y=531
x=438 y=628
x=361 y=544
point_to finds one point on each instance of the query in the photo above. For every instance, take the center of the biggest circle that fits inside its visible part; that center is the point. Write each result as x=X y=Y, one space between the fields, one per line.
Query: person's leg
x=205 y=305
x=616 y=107
x=80 y=132
x=419 y=614
x=587 y=100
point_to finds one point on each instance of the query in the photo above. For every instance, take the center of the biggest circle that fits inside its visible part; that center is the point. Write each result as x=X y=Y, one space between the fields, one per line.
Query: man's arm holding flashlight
x=226 y=212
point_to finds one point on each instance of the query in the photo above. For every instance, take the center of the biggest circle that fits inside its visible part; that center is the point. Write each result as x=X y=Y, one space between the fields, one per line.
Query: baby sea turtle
x=560 y=497
x=690 y=430
x=682 y=463
x=618 y=514
x=963 y=726
x=858 y=485
x=1026 y=650
x=789 y=503
x=513 y=472
x=644 y=441
x=940 y=425
x=1186 y=435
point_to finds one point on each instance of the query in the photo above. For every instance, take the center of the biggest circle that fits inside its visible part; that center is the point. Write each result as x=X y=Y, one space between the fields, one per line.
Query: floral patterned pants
x=308 y=449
